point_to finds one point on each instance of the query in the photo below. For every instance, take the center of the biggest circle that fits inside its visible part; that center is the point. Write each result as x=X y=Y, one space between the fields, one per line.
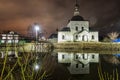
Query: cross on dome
x=76 y=12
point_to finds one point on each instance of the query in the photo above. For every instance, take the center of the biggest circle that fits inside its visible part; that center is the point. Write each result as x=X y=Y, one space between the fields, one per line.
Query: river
x=61 y=66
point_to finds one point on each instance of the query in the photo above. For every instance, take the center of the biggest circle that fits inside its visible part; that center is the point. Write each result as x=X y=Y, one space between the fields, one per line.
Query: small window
x=63 y=37
x=92 y=36
x=83 y=65
x=76 y=56
x=93 y=56
x=76 y=28
x=76 y=36
x=63 y=56
x=77 y=65
x=4 y=37
x=85 y=56
x=82 y=28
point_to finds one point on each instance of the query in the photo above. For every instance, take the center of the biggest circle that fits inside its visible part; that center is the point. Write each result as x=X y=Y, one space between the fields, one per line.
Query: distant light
x=37 y=27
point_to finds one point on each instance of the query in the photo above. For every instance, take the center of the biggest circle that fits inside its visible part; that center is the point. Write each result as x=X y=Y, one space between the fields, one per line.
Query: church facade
x=77 y=30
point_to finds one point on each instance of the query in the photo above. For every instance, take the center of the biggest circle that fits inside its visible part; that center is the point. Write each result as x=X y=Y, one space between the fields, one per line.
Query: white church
x=77 y=30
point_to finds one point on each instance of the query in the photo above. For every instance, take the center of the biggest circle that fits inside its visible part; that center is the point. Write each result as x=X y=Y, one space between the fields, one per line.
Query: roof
x=77 y=18
x=10 y=32
x=65 y=29
x=54 y=35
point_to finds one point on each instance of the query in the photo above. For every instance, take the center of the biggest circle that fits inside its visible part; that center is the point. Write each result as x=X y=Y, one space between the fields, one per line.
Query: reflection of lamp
x=36 y=67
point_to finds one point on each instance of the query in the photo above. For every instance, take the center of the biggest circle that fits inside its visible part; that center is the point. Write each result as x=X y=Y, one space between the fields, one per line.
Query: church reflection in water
x=78 y=63
x=67 y=65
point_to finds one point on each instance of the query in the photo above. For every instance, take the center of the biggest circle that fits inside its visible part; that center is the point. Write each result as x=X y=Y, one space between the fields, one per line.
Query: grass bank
x=96 y=46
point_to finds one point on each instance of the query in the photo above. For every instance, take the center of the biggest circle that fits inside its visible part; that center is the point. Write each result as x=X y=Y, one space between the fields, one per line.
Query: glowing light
x=36 y=67
x=37 y=27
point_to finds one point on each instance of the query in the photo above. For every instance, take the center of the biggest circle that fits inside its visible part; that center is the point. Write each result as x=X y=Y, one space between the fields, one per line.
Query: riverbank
x=96 y=46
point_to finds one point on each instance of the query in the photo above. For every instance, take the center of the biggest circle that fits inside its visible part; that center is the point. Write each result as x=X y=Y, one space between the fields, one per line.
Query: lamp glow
x=37 y=28
x=36 y=67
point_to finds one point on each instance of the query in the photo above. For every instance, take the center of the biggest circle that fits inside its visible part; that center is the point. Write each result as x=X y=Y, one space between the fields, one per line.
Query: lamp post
x=36 y=31
x=36 y=27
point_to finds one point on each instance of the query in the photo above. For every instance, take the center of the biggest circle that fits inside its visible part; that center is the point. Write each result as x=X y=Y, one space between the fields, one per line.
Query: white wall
x=95 y=34
x=82 y=30
x=80 y=24
x=68 y=36
x=67 y=57
x=81 y=69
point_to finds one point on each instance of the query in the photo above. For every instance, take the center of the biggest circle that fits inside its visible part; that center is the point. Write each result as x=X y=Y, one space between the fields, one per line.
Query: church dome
x=65 y=29
x=77 y=18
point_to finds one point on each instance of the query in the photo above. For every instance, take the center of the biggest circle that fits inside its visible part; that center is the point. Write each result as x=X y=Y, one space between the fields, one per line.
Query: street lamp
x=37 y=28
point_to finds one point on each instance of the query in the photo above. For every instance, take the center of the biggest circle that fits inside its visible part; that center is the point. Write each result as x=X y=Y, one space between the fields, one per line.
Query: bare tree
x=113 y=35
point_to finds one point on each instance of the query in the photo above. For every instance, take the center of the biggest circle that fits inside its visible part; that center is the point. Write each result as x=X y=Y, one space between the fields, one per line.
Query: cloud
x=52 y=14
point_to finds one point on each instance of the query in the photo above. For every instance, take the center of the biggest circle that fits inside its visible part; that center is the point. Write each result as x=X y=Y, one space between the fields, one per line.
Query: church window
x=63 y=37
x=83 y=65
x=76 y=65
x=76 y=56
x=76 y=28
x=92 y=36
x=82 y=38
x=82 y=28
x=63 y=56
x=85 y=56
x=93 y=56
x=76 y=36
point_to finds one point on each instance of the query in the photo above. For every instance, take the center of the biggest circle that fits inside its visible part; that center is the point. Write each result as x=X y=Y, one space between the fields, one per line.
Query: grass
x=88 y=46
x=20 y=68
x=108 y=76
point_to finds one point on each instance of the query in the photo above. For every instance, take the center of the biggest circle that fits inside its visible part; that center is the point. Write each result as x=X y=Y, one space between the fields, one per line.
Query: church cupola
x=76 y=16
x=76 y=11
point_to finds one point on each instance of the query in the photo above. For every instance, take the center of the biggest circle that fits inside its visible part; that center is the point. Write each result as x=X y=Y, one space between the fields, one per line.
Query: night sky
x=104 y=15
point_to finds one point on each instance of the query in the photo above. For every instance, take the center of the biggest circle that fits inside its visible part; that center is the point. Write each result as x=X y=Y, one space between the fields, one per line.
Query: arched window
x=63 y=56
x=83 y=65
x=63 y=37
x=76 y=36
x=92 y=36
x=82 y=28
x=76 y=56
x=76 y=28
x=85 y=56
x=77 y=65
x=93 y=56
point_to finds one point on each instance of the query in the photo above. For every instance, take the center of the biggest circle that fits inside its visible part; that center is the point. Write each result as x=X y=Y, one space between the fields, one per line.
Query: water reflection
x=61 y=66
x=113 y=59
x=9 y=53
x=79 y=63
